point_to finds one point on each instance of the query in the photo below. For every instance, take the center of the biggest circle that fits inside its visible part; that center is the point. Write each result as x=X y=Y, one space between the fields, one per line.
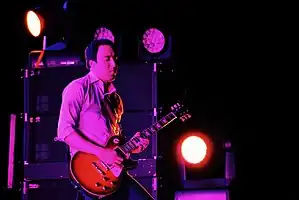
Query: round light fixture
x=104 y=33
x=153 y=40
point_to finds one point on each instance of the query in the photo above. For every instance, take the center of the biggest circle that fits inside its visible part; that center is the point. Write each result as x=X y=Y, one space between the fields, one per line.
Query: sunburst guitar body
x=98 y=179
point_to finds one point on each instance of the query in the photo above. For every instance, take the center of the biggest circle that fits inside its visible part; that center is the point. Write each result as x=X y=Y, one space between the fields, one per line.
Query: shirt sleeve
x=71 y=104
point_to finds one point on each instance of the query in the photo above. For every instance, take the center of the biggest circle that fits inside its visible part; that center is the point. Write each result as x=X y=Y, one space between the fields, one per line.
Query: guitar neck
x=133 y=142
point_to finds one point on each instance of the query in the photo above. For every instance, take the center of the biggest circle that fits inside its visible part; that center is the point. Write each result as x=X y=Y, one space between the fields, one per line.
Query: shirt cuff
x=64 y=133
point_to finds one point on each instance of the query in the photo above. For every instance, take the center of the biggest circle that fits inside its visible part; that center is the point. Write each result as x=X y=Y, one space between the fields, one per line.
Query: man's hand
x=110 y=157
x=142 y=144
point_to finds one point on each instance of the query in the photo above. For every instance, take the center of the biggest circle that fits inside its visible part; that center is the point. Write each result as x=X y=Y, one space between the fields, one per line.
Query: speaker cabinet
x=49 y=189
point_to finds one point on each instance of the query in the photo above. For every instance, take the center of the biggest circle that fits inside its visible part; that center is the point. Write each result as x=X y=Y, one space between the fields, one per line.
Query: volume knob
x=98 y=184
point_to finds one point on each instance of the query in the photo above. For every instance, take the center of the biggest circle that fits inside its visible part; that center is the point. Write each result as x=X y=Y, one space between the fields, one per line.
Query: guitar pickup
x=97 y=167
x=120 y=152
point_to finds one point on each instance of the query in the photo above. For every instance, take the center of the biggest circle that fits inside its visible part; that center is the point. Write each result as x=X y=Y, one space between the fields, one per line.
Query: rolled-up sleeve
x=72 y=98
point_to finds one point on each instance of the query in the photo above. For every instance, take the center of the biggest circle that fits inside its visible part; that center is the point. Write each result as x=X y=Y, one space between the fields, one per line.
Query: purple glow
x=201 y=195
x=11 y=150
x=153 y=40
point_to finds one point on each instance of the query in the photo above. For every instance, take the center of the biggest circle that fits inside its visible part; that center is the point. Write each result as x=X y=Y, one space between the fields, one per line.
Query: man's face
x=105 y=67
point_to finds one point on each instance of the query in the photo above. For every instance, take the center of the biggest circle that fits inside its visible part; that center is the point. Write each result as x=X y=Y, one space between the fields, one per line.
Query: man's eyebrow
x=110 y=55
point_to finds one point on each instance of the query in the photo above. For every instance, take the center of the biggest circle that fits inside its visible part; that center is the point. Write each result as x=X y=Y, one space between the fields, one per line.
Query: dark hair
x=92 y=49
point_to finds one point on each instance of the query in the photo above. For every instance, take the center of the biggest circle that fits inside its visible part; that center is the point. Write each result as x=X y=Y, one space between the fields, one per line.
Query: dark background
x=228 y=61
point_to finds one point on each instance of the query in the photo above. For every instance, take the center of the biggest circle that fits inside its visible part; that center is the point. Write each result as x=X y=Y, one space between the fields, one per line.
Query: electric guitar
x=99 y=179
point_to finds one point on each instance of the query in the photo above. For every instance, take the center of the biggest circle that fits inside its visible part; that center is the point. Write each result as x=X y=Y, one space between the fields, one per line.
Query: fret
x=147 y=133
x=152 y=129
x=158 y=125
x=173 y=116
x=132 y=144
x=124 y=149
x=136 y=139
x=127 y=147
x=164 y=120
x=168 y=117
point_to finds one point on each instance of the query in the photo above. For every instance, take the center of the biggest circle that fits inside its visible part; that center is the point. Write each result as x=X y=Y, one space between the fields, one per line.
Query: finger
x=144 y=143
x=119 y=159
x=127 y=155
x=117 y=162
x=144 y=140
x=137 y=134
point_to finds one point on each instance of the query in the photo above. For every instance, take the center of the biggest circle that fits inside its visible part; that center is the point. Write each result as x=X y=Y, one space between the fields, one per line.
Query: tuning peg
x=182 y=119
x=185 y=117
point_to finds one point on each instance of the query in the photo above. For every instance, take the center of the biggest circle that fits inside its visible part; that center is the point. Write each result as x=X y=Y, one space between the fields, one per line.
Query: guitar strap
x=113 y=110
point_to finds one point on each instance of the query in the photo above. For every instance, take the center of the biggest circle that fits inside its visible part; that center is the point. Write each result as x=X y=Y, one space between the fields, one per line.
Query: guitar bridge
x=97 y=167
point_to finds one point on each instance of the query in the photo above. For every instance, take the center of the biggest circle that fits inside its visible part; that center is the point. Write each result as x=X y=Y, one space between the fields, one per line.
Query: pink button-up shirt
x=81 y=110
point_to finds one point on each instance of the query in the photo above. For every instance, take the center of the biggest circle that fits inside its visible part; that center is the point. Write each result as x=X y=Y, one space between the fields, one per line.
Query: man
x=84 y=124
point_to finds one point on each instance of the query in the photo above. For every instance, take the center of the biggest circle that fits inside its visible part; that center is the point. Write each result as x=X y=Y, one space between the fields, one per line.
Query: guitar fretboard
x=133 y=142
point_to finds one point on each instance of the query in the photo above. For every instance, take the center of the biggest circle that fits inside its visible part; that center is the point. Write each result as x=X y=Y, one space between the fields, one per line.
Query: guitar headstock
x=180 y=111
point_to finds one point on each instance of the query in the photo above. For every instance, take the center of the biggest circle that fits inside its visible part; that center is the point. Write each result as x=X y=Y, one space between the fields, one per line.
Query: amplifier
x=40 y=176
x=55 y=58
x=49 y=189
x=58 y=170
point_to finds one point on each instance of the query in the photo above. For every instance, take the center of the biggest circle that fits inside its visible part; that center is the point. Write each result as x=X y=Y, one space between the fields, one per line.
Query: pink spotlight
x=104 y=33
x=153 y=40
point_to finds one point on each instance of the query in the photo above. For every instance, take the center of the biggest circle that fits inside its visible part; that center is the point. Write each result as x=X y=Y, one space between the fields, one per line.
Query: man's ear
x=91 y=63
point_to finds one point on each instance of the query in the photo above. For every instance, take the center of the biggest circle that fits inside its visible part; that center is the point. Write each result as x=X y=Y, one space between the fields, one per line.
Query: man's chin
x=112 y=78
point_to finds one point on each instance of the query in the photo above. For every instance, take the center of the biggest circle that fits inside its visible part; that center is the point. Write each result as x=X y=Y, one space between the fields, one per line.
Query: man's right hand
x=110 y=157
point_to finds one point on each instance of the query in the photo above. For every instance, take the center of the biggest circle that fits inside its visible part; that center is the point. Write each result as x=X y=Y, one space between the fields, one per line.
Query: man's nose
x=113 y=63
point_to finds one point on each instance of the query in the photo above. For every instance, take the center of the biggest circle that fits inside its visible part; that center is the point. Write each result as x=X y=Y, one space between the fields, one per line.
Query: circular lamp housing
x=104 y=33
x=153 y=40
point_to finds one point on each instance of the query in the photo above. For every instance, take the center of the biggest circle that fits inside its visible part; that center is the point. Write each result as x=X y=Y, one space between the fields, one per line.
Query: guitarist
x=90 y=112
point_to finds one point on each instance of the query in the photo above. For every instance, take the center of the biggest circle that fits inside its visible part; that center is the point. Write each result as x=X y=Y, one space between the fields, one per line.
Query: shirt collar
x=94 y=79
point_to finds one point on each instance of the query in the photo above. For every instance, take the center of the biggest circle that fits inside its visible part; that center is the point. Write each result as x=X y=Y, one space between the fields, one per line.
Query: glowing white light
x=194 y=149
x=34 y=23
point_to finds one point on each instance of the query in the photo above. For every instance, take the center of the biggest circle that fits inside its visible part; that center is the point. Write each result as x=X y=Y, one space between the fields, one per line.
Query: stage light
x=194 y=149
x=34 y=23
x=104 y=33
x=204 y=160
x=153 y=40
x=154 y=45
